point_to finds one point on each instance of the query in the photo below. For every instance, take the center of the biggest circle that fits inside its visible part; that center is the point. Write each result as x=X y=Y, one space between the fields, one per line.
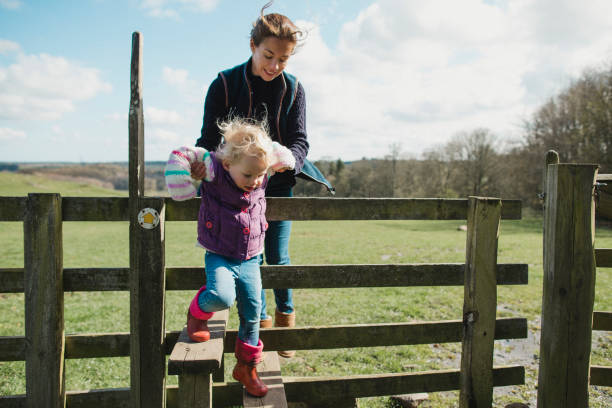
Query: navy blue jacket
x=282 y=102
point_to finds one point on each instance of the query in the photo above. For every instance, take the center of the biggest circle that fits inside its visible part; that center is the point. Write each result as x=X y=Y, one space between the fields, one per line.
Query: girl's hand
x=281 y=169
x=198 y=170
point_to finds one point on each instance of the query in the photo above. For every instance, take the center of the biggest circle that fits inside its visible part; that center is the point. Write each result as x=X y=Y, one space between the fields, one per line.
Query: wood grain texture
x=147 y=307
x=603 y=257
x=12 y=208
x=601 y=375
x=294 y=208
x=269 y=371
x=302 y=388
x=195 y=390
x=88 y=345
x=602 y=321
x=480 y=302
x=281 y=276
x=188 y=357
x=44 y=302
x=569 y=287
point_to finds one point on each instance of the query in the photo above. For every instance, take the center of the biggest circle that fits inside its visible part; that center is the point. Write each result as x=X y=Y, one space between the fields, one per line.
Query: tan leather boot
x=265 y=323
x=285 y=320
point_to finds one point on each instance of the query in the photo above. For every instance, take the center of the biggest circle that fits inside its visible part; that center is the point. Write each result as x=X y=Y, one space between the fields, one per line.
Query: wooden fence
x=570 y=259
x=43 y=279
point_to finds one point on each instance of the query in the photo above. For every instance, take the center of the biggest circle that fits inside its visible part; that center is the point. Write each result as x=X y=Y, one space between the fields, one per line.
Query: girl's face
x=270 y=57
x=248 y=173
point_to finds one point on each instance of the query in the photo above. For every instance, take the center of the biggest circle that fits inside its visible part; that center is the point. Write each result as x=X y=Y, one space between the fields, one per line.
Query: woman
x=261 y=89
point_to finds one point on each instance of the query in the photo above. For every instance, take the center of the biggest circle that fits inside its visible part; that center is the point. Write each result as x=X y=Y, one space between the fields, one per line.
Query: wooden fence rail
x=294 y=208
x=281 y=276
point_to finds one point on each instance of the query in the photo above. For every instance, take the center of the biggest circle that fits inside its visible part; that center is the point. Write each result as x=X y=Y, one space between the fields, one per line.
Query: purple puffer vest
x=231 y=221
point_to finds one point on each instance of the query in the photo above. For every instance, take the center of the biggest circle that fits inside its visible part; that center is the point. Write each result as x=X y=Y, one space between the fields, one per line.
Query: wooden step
x=270 y=373
x=188 y=357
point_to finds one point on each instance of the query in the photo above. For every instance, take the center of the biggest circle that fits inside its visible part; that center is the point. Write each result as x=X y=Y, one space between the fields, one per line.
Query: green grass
x=315 y=242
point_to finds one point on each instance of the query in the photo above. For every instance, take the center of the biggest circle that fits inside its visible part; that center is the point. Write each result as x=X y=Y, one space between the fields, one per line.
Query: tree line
x=577 y=123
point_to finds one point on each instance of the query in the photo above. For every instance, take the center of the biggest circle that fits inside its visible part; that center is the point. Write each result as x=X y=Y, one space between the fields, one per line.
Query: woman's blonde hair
x=244 y=138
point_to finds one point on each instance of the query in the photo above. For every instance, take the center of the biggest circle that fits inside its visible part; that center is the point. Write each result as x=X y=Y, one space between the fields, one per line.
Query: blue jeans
x=229 y=279
x=276 y=249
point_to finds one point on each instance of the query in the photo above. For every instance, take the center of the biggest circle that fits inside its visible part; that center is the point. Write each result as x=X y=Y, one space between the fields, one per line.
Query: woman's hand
x=198 y=170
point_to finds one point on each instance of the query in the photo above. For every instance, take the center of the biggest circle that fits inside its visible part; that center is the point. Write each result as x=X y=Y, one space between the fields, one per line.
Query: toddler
x=231 y=228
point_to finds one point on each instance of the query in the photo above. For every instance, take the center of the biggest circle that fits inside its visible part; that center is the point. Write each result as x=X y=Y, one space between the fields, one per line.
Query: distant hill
x=83 y=179
x=18 y=184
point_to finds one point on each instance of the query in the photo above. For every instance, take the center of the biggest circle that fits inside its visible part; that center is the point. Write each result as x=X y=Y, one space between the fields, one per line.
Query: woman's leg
x=248 y=295
x=277 y=253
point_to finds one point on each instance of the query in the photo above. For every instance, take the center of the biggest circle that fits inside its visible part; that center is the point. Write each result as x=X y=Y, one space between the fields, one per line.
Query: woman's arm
x=296 y=139
x=214 y=108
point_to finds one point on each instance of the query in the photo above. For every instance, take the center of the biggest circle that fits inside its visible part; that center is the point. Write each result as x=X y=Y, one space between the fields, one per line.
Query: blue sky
x=375 y=72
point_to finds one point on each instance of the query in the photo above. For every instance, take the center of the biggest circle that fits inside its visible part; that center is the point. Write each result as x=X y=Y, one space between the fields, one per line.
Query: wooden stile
x=194 y=363
x=44 y=302
x=569 y=287
x=480 y=301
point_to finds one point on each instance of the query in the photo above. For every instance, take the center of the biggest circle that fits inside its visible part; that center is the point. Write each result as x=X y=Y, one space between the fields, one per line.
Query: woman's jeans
x=229 y=279
x=277 y=253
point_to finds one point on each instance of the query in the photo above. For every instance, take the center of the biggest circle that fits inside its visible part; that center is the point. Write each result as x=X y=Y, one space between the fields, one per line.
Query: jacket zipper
x=250 y=91
x=280 y=107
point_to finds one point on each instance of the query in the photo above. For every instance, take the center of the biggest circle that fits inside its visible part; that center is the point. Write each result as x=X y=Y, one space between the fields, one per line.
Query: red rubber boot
x=197 y=320
x=245 y=370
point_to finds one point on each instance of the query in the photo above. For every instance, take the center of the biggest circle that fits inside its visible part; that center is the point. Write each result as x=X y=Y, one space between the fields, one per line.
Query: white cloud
x=7 y=134
x=7 y=46
x=418 y=72
x=162 y=117
x=173 y=8
x=10 y=4
x=45 y=87
x=116 y=116
x=162 y=136
x=176 y=76
x=190 y=90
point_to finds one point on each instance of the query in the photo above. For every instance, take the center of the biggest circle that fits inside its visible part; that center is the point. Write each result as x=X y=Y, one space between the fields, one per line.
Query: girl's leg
x=248 y=293
x=248 y=346
x=220 y=290
x=218 y=294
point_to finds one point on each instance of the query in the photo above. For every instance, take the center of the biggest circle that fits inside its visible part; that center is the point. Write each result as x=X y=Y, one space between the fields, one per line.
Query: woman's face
x=270 y=57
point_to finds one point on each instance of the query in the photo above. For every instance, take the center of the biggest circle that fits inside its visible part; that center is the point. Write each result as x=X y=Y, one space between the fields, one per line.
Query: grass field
x=315 y=242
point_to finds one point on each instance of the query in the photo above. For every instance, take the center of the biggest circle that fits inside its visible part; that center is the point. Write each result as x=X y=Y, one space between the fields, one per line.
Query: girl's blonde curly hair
x=244 y=138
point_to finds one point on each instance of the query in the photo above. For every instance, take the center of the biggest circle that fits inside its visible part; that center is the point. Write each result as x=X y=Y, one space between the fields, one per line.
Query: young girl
x=260 y=87
x=231 y=228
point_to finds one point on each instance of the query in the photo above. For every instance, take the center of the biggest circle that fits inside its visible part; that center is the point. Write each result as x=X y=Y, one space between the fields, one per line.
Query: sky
x=376 y=73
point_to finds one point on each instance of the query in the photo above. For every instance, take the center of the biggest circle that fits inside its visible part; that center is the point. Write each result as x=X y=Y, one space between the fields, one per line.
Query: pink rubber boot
x=246 y=368
x=197 y=320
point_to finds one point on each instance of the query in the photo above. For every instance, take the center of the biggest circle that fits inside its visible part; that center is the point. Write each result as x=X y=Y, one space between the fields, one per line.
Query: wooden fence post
x=44 y=302
x=569 y=287
x=480 y=302
x=147 y=262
